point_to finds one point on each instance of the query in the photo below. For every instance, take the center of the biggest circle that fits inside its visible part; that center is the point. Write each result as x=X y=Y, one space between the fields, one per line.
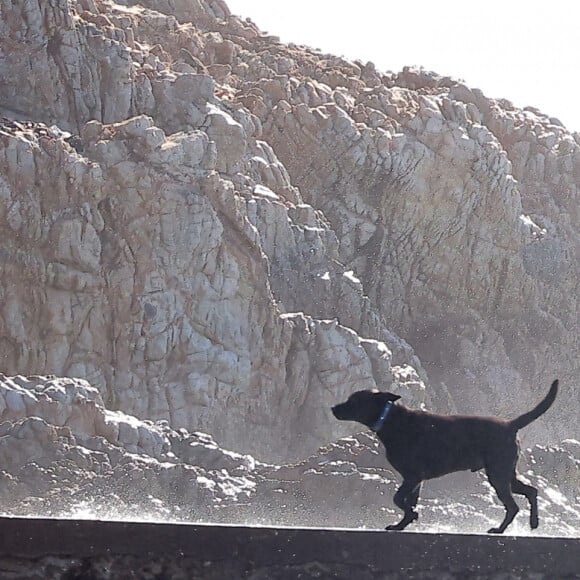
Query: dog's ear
x=392 y=397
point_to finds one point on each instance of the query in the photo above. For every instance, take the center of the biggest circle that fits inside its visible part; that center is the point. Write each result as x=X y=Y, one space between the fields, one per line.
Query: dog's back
x=429 y=445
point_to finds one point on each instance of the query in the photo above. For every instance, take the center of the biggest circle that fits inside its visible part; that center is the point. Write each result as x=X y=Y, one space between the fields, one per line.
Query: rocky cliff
x=231 y=234
x=153 y=242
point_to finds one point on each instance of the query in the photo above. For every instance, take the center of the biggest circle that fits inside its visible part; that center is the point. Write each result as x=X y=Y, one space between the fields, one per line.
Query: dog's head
x=364 y=406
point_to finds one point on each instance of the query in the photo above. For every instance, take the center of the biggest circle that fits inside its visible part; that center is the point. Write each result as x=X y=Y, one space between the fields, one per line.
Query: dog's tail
x=525 y=419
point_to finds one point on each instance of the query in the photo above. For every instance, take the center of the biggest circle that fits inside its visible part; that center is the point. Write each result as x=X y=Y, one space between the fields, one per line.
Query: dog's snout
x=339 y=411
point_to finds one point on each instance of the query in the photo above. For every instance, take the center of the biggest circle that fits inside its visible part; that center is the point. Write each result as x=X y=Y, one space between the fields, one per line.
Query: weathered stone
x=198 y=88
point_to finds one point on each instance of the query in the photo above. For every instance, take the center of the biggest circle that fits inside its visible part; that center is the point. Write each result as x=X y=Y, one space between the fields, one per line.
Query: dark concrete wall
x=95 y=550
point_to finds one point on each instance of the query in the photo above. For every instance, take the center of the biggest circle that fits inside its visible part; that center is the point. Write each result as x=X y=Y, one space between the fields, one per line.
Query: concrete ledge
x=70 y=549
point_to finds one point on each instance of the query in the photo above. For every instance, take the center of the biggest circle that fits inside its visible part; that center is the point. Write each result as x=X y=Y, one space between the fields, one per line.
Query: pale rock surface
x=461 y=234
x=231 y=234
x=150 y=279
x=158 y=257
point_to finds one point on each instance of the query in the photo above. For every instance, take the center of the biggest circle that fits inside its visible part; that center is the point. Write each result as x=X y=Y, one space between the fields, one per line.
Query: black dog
x=423 y=445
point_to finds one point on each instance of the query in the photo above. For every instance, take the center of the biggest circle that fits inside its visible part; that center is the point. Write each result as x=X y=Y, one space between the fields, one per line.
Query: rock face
x=231 y=234
x=156 y=245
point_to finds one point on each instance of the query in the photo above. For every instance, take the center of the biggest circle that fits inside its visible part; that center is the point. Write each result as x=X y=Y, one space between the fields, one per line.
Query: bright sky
x=527 y=52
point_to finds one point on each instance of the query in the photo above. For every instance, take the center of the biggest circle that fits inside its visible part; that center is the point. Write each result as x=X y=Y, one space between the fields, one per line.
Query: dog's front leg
x=406 y=498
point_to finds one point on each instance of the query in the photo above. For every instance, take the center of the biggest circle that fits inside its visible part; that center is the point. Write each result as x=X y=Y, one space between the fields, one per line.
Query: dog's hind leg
x=502 y=486
x=531 y=493
x=406 y=498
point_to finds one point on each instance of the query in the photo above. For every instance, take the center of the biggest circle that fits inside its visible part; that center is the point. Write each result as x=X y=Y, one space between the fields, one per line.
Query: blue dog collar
x=378 y=424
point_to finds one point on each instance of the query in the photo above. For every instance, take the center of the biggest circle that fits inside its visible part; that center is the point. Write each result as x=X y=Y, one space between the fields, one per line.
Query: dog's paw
x=495 y=531
x=534 y=522
x=409 y=518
